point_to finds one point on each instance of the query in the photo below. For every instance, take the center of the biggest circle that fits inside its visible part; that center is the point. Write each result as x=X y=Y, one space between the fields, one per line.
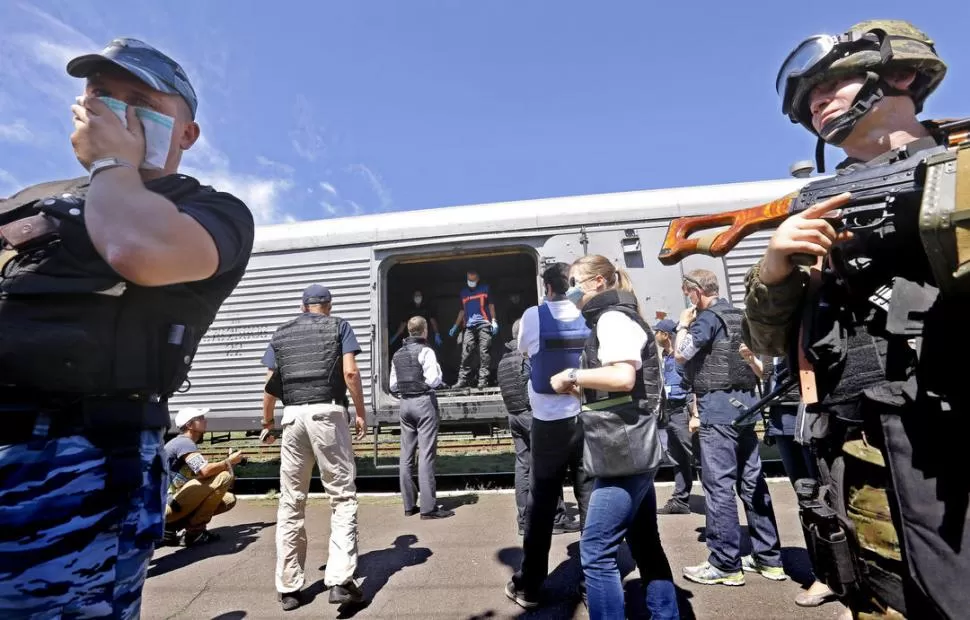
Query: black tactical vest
x=309 y=357
x=407 y=367
x=722 y=368
x=850 y=339
x=68 y=322
x=646 y=389
x=513 y=379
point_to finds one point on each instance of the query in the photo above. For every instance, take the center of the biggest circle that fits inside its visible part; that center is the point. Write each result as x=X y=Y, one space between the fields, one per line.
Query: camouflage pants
x=68 y=548
x=476 y=338
x=905 y=491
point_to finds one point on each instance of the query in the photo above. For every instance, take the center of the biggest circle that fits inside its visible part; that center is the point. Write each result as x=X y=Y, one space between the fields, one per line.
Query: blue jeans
x=618 y=508
x=68 y=547
x=730 y=462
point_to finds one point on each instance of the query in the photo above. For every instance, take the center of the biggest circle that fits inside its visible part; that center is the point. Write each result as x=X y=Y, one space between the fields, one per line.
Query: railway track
x=263 y=452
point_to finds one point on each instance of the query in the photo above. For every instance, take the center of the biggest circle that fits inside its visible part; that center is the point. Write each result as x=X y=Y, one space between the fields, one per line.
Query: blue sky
x=325 y=109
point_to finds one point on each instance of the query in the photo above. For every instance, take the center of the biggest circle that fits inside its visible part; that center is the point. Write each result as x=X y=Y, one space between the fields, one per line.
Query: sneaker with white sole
x=750 y=565
x=521 y=598
x=710 y=575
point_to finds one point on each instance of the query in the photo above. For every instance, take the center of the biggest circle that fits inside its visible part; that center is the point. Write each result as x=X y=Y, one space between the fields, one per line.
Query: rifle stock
x=678 y=244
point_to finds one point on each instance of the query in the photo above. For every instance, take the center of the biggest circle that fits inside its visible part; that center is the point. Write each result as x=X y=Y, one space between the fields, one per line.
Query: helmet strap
x=838 y=129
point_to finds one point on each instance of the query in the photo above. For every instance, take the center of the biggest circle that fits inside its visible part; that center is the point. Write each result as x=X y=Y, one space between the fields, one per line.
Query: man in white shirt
x=414 y=376
x=552 y=335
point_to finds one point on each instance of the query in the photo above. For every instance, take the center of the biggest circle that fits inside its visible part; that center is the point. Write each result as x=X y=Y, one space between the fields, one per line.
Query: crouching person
x=199 y=490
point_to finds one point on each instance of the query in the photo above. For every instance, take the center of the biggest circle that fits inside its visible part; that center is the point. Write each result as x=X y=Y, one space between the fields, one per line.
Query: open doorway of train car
x=512 y=278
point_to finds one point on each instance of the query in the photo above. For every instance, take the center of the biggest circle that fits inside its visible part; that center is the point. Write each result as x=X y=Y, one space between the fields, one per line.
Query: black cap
x=665 y=325
x=144 y=62
x=316 y=294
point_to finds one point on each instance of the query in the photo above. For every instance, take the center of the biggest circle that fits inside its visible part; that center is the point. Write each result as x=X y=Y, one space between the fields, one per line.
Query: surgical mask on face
x=472 y=283
x=158 y=131
x=575 y=295
x=417 y=300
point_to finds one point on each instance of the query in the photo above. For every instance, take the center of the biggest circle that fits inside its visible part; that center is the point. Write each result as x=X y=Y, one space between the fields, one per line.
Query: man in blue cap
x=676 y=415
x=313 y=366
x=107 y=284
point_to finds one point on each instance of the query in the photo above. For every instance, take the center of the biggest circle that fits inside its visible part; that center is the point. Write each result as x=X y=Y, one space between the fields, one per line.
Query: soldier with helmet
x=888 y=526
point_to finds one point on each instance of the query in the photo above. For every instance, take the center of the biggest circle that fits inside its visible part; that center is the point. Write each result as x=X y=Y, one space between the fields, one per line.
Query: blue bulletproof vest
x=560 y=347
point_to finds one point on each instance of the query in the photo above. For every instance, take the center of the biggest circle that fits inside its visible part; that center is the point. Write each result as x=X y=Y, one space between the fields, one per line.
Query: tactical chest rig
x=924 y=199
x=851 y=538
x=70 y=325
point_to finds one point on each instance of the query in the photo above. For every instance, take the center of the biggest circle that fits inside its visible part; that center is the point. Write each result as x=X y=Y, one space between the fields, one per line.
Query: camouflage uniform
x=69 y=548
x=889 y=447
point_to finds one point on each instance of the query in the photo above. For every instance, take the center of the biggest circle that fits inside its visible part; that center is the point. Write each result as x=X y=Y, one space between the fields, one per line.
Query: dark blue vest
x=560 y=347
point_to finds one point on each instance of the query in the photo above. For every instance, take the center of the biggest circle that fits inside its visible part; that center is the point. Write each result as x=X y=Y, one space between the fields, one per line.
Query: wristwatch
x=105 y=163
x=571 y=375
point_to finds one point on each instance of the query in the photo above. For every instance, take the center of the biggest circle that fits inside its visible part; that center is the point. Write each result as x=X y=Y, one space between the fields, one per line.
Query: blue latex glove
x=494 y=327
x=437 y=339
x=453 y=331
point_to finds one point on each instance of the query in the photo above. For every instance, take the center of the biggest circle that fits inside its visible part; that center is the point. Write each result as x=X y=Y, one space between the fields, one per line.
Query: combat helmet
x=870 y=49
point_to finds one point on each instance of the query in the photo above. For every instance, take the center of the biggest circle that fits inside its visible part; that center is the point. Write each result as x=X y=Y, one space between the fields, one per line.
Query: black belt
x=325 y=401
x=418 y=395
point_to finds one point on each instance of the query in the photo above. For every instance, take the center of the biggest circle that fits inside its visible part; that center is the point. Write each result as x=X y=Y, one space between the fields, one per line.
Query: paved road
x=451 y=569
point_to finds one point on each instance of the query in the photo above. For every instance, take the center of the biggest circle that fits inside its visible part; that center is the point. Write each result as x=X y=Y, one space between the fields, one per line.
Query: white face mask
x=472 y=283
x=158 y=131
x=417 y=300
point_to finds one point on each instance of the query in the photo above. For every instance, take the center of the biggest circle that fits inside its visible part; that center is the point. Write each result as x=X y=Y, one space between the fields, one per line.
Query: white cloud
x=376 y=183
x=16 y=132
x=307 y=137
x=204 y=155
x=284 y=169
x=327 y=187
x=8 y=184
x=37 y=58
x=261 y=195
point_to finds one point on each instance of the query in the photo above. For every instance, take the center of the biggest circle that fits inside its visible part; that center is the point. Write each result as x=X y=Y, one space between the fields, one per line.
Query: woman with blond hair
x=619 y=385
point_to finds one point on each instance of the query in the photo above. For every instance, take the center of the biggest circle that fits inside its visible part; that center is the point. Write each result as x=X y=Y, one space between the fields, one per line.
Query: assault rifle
x=944 y=212
x=785 y=382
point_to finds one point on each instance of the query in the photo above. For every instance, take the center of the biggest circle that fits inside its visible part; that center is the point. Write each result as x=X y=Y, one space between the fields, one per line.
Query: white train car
x=373 y=263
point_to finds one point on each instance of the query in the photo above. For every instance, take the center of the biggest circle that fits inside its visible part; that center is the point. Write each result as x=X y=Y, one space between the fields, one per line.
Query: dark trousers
x=520 y=426
x=419 y=429
x=478 y=337
x=797 y=459
x=681 y=450
x=730 y=462
x=557 y=448
x=925 y=452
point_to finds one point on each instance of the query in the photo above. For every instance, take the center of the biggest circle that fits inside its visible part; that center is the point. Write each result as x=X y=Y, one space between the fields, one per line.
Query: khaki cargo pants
x=316 y=433
x=195 y=503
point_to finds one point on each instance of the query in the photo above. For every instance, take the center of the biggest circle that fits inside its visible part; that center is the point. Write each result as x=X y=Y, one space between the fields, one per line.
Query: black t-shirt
x=230 y=224
x=412 y=311
x=149 y=347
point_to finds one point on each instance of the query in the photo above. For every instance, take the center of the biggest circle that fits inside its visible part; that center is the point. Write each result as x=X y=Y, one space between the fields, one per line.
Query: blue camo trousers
x=68 y=549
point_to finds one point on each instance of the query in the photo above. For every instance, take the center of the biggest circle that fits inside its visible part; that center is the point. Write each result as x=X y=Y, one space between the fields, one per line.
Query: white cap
x=184 y=415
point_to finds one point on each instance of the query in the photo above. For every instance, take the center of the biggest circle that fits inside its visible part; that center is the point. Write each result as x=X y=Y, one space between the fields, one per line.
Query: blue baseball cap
x=144 y=62
x=665 y=325
x=316 y=294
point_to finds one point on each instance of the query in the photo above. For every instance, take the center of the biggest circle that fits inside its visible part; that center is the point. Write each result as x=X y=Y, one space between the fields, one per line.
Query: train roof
x=536 y=214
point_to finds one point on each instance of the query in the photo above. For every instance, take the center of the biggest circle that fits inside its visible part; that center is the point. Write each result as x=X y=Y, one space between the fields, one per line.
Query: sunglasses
x=574 y=282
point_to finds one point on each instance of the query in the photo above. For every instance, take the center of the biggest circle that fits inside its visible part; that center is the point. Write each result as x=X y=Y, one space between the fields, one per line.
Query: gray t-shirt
x=183 y=469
